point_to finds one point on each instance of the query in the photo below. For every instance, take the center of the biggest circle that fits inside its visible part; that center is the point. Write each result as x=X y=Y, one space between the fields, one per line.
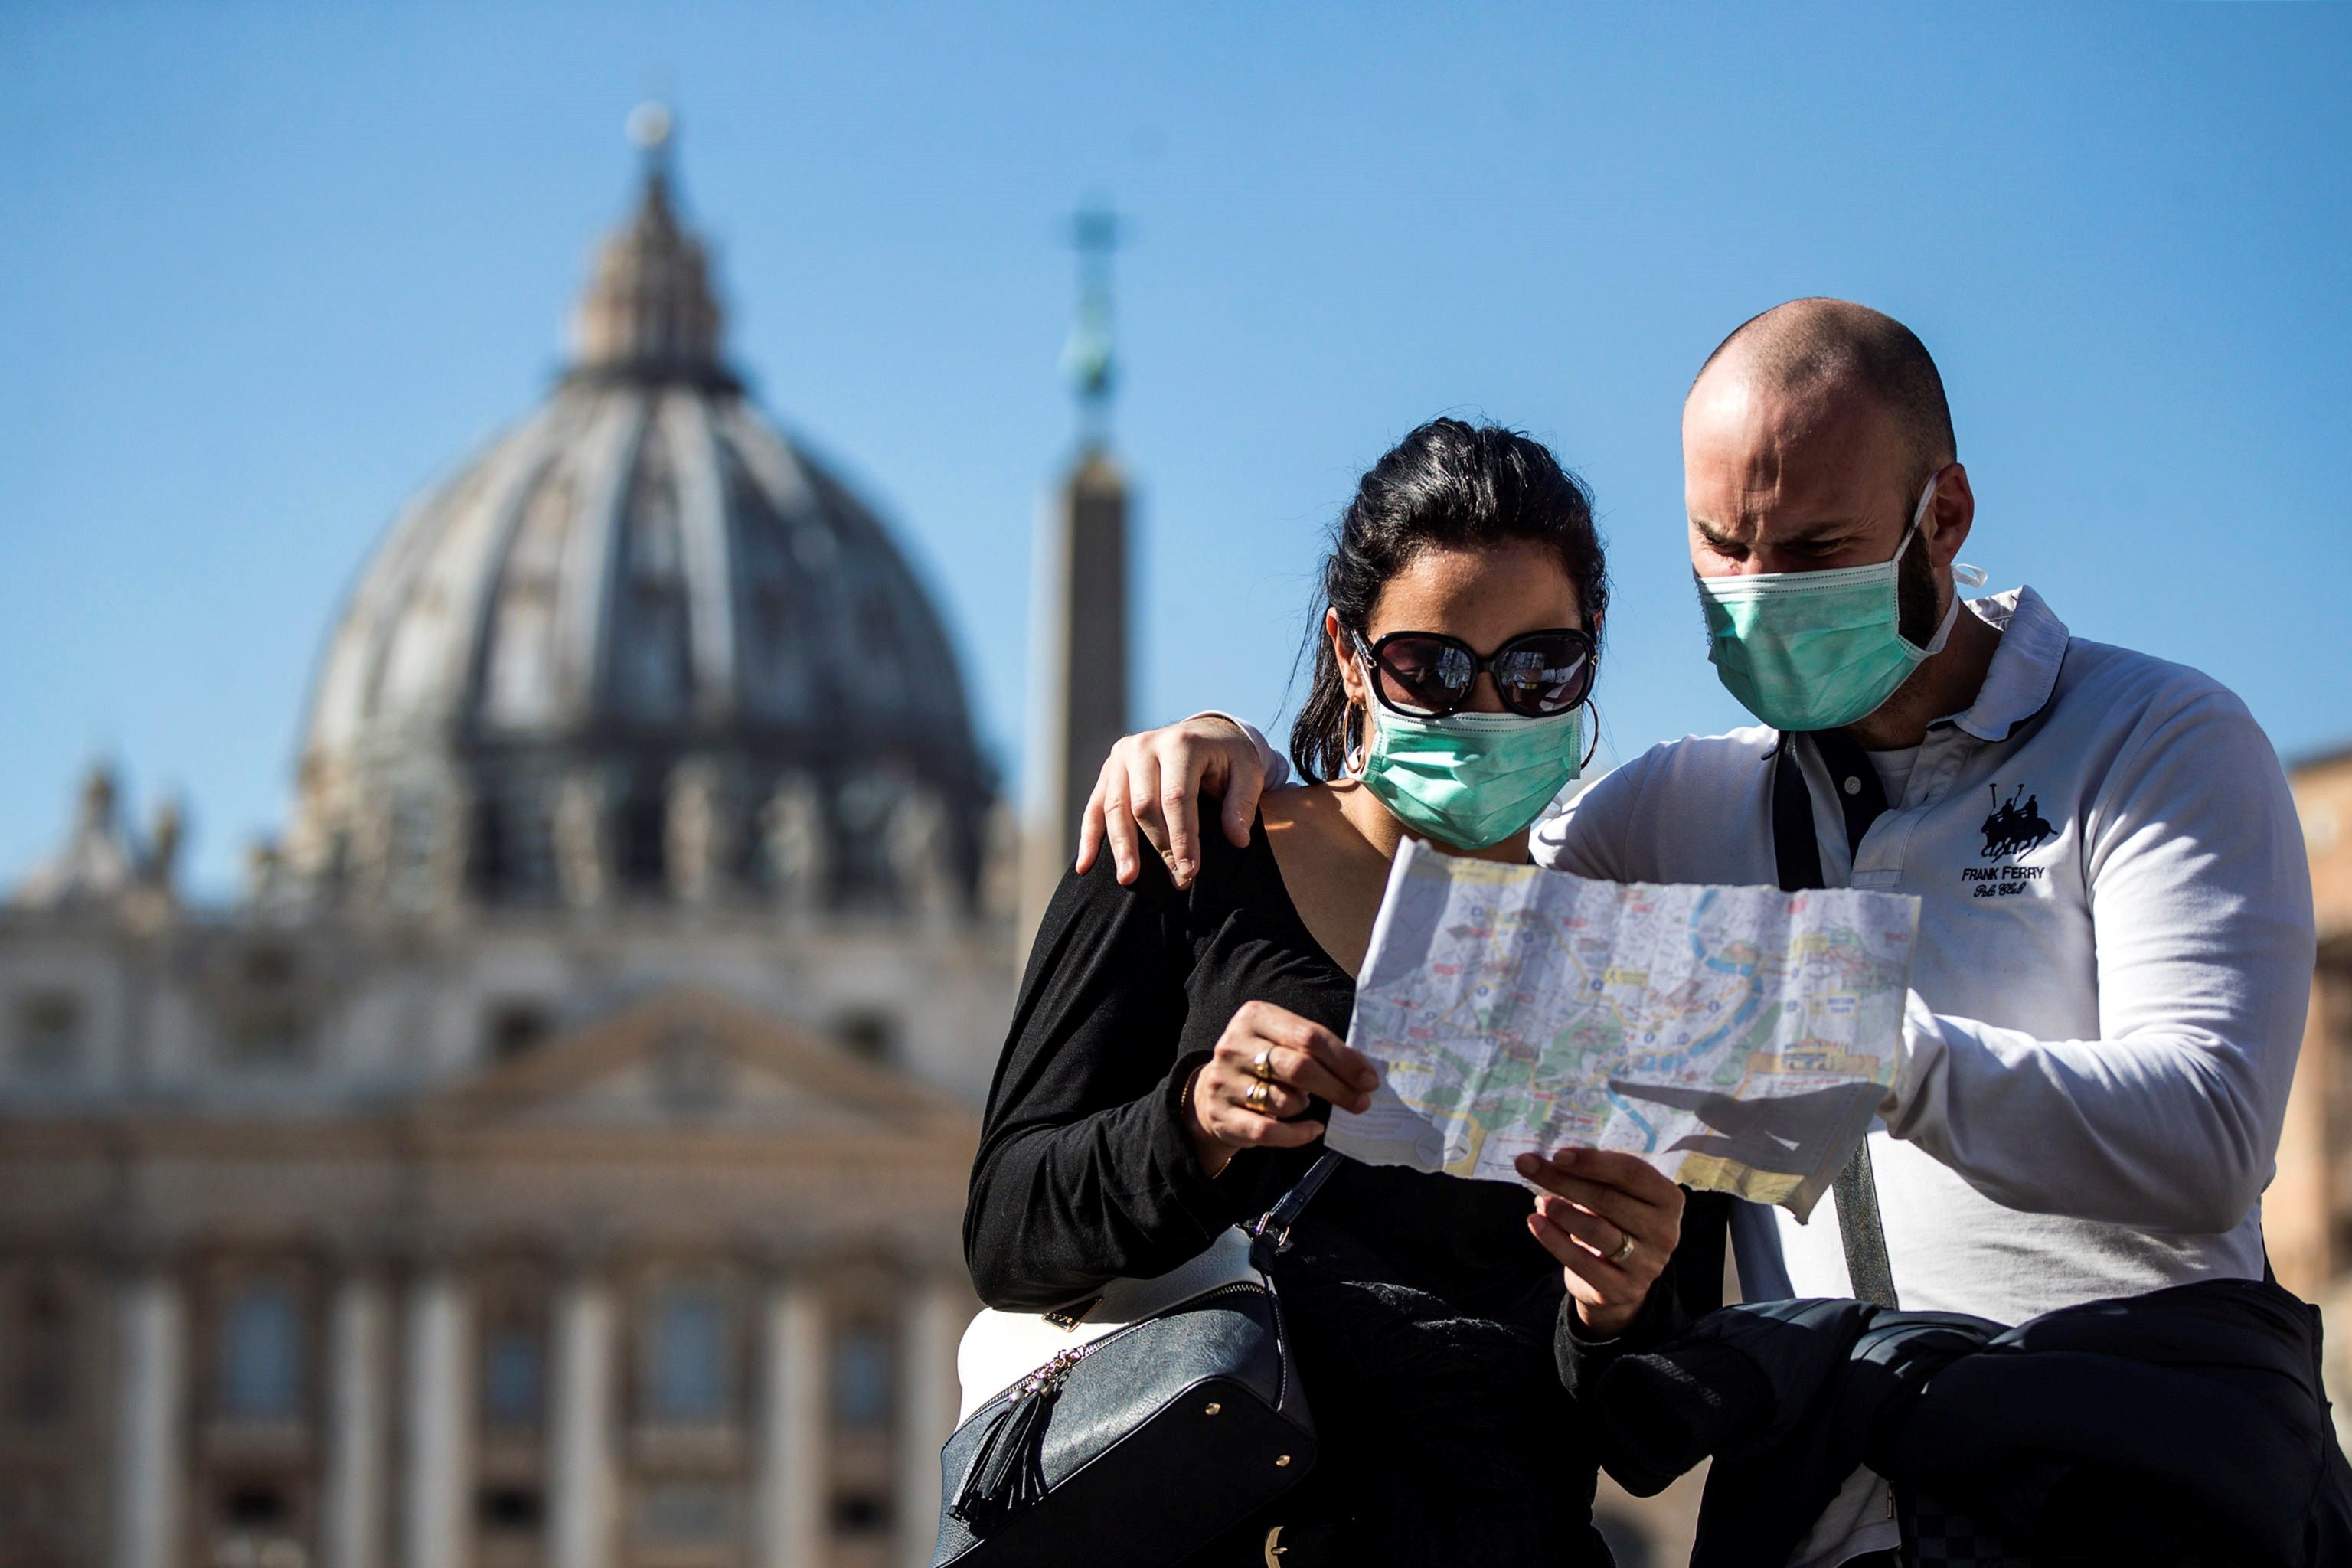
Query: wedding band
x=1261 y=1069
x=1260 y=1095
x=1624 y=1249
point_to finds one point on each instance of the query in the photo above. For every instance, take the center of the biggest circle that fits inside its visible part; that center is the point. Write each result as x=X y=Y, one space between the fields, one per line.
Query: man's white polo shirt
x=2107 y=999
x=2114 y=962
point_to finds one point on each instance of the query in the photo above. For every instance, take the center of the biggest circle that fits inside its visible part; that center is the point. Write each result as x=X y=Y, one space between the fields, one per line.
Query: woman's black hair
x=1446 y=486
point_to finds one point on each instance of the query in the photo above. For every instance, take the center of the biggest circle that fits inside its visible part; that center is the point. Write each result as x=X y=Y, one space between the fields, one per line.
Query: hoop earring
x=1351 y=755
x=1593 y=707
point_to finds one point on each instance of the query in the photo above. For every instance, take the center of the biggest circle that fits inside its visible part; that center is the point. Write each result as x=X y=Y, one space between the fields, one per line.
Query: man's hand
x=1154 y=781
x=1612 y=1222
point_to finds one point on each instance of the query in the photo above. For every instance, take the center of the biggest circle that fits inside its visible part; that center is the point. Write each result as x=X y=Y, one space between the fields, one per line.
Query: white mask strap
x=1944 y=631
x=1962 y=576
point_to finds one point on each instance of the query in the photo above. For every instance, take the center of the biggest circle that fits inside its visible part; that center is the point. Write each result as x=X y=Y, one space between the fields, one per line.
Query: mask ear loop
x=1593 y=707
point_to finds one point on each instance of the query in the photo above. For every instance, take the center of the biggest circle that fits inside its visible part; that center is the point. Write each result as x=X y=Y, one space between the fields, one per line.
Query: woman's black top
x=1420 y=1310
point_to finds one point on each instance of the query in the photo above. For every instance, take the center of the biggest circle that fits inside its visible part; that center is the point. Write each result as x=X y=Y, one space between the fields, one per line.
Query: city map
x=1737 y=1038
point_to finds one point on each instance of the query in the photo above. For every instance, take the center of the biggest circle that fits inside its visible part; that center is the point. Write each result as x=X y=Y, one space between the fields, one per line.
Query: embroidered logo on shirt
x=2012 y=830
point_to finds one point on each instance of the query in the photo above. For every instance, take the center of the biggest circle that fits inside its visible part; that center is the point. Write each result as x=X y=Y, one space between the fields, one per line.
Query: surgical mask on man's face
x=1817 y=650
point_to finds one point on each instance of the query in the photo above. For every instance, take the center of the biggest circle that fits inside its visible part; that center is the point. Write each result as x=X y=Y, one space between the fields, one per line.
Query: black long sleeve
x=1085 y=1172
x=1420 y=1308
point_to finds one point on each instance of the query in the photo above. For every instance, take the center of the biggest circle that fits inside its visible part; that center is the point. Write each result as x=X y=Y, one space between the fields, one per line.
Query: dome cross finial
x=1087 y=358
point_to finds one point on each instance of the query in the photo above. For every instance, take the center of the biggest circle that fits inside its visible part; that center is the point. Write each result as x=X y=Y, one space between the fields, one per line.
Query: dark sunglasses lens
x=1541 y=676
x=1424 y=675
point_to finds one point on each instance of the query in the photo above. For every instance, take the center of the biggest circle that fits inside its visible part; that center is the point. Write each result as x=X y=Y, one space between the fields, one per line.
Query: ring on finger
x=1624 y=1251
x=1261 y=1066
x=1260 y=1097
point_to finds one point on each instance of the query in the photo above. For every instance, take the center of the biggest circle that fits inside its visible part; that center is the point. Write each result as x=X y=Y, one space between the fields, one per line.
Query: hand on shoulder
x=1149 y=791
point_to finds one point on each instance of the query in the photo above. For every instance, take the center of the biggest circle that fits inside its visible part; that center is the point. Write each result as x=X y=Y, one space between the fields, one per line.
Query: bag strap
x=1797 y=854
x=1271 y=1235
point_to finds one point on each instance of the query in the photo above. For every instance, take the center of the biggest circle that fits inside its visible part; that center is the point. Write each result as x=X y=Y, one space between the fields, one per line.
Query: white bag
x=1000 y=1348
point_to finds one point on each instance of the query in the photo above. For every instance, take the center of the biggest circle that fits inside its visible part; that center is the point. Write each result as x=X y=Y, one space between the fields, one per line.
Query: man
x=2112 y=965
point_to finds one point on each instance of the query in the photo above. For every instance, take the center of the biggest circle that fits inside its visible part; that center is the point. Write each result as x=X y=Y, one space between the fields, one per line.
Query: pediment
x=689 y=1060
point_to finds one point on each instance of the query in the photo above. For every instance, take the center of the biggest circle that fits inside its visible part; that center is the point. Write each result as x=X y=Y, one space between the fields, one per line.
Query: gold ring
x=1260 y=1095
x=1624 y=1249
x=1261 y=1069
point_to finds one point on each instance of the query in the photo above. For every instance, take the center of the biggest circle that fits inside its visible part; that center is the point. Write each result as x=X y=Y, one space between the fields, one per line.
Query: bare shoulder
x=1286 y=807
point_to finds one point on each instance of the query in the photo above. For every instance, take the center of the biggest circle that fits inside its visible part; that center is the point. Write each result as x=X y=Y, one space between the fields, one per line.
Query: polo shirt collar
x=2024 y=670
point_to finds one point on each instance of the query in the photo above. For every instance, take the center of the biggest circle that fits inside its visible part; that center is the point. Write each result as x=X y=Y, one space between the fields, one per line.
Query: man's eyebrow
x=1813 y=532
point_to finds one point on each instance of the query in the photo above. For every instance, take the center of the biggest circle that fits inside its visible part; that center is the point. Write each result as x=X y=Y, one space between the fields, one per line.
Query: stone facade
x=557 y=1160
x=2308 y=1211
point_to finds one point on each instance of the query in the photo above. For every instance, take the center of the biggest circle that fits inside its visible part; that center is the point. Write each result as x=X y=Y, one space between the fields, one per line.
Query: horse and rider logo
x=2014 y=829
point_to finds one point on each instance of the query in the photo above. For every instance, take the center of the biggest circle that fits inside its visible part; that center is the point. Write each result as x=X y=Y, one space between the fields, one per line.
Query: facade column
x=937 y=1311
x=793 y=1395
x=438 y=1531
x=358 y=1342
x=580 y=1447
x=150 y=1421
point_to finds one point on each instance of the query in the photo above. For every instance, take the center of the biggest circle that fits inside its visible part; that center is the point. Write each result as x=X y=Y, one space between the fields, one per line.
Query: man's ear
x=1952 y=514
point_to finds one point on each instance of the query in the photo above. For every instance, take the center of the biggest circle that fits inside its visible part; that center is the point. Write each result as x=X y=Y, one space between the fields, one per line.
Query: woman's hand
x=1268 y=1062
x=1611 y=1221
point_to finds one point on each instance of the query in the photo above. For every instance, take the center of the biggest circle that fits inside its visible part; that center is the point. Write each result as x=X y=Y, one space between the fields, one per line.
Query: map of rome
x=1737 y=1039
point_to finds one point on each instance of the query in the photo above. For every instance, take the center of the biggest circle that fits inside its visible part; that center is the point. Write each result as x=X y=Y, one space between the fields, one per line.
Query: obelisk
x=1079 y=619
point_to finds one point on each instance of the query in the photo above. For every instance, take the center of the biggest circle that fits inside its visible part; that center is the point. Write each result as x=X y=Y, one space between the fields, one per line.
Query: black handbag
x=1171 y=1410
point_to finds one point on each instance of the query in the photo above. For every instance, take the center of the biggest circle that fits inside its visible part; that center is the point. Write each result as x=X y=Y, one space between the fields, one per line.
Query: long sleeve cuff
x=1273 y=764
x=1212 y=1202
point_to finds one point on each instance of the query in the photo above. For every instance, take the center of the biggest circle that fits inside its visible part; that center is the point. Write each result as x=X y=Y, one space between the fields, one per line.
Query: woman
x=1173 y=1053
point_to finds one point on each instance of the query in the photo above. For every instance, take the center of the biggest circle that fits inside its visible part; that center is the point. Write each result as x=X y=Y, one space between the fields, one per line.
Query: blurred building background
x=558 y=1157
x=2307 y=1212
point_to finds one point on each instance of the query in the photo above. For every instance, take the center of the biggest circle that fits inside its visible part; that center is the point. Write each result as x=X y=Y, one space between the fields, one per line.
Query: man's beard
x=1916 y=612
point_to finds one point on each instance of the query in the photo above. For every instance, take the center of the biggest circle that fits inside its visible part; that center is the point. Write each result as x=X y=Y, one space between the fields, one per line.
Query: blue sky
x=271 y=268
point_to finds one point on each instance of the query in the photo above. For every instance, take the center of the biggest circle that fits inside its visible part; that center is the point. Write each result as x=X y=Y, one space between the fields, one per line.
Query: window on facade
x=685 y=1513
x=870 y=1034
x=266 y=1024
x=514 y=1366
x=261 y=1354
x=644 y=849
x=265 y=1033
x=861 y=1513
x=48 y=1034
x=690 y=1370
x=515 y=1027
x=511 y=1510
x=861 y=1378
x=512 y=856
x=254 y=1507
x=39 y=1345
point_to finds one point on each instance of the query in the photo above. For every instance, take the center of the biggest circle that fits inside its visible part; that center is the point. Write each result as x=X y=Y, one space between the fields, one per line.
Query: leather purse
x=1132 y=1424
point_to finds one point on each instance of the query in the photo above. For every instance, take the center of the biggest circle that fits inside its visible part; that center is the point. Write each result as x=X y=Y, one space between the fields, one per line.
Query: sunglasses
x=1427 y=675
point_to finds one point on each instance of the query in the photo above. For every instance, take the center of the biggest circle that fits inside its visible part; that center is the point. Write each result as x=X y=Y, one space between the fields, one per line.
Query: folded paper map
x=1737 y=1039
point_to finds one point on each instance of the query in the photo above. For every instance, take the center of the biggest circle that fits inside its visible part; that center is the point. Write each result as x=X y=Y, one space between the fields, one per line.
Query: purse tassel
x=1008 y=1474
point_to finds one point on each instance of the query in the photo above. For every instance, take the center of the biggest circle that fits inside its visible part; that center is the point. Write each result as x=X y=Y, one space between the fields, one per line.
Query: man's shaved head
x=1837 y=350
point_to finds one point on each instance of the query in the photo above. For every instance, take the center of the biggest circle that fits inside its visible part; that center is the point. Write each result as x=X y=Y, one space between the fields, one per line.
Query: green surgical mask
x=1817 y=650
x=1471 y=780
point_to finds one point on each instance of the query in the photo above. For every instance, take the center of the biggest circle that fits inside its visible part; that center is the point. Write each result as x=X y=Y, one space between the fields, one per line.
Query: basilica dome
x=640 y=646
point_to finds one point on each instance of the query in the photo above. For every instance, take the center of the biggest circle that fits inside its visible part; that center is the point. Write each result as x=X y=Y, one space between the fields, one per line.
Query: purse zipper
x=1053 y=1371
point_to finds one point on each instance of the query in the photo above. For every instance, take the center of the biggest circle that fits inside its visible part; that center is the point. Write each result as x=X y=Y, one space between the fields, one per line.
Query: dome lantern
x=649 y=311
